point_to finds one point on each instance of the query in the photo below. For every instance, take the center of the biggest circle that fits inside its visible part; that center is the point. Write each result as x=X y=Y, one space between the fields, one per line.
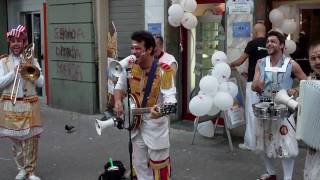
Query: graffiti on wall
x=70 y=71
x=68 y=52
x=68 y=33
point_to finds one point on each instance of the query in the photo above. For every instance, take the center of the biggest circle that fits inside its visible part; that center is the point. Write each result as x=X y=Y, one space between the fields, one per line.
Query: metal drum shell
x=266 y=111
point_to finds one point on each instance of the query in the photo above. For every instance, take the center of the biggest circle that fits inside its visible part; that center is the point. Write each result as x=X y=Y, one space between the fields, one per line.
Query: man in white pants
x=151 y=143
x=276 y=138
x=253 y=52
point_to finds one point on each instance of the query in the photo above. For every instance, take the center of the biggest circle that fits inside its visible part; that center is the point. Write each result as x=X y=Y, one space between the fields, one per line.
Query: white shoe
x=21 y=174
x=244 y=147
x=33 y=177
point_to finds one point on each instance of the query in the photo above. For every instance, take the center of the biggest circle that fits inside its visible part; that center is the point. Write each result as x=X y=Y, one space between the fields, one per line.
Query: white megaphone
x=282 y=97
x=116 y=67
x=106 y=121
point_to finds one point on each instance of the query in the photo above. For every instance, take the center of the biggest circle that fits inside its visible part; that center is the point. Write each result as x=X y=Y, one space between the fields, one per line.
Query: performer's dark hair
x=280 y=36
x=314 y=44
x=146 y=37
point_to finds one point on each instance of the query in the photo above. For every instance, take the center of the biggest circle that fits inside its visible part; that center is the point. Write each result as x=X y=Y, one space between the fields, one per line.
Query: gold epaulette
x=167 y=76
x=3 y=56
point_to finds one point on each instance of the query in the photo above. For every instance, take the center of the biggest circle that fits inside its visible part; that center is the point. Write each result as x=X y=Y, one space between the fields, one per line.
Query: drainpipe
x=45 y=44
x=100 y=23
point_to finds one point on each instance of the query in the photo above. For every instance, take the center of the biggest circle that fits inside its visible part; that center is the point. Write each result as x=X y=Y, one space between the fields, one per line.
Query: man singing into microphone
x=153 y=83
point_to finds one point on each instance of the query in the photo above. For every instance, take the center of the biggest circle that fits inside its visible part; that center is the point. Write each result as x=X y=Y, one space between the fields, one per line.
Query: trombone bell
x=30 y=73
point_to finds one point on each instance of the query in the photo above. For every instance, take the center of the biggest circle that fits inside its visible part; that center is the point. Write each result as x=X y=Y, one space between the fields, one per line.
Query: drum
x=269 y=111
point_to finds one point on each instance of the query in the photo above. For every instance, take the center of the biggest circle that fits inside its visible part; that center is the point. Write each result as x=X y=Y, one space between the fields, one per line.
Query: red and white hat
x=20 y=31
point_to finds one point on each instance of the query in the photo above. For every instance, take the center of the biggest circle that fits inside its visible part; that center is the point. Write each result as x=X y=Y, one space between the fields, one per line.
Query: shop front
x=219 y=28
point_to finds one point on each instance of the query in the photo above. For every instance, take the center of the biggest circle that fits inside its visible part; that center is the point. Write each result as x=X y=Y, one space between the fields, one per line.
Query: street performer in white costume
x=312 y=164
x=276 y=138
x=20 y=118
x=163 y=56
x=151 y=141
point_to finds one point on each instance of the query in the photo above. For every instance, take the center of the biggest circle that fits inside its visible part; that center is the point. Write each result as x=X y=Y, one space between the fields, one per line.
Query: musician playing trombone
x=19 y=104
x=312 y=164
x=150 y=141
x=276 y=138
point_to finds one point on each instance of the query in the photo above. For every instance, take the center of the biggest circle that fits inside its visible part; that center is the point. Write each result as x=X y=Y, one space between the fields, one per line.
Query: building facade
x=70 y=38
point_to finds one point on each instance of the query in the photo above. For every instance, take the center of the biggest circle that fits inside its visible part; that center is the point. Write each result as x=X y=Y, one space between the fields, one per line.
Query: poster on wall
x=154 y=28
x=241 y=29
x=240 y=7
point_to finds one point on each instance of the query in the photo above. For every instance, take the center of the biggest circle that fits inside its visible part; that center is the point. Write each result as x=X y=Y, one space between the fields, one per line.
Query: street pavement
x=80 y=155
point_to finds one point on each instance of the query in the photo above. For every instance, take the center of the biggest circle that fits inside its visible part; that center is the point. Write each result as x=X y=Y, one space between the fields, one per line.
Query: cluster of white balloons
x=181 y=13
x=282 y=19
x=216 y=93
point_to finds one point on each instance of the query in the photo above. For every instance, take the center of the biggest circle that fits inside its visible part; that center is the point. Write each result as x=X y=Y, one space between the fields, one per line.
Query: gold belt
x=30 y=99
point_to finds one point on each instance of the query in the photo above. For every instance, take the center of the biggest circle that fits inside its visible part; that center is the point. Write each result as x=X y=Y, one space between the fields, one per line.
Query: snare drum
x=264 y=110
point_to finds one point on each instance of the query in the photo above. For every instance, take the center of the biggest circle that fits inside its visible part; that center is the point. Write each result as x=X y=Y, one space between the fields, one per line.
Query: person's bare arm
x=243 y=57
x=257 y=83
x=298 y=72
x=118 y=106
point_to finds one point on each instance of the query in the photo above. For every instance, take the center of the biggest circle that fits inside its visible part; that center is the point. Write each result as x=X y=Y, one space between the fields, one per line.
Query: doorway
x=32 y=21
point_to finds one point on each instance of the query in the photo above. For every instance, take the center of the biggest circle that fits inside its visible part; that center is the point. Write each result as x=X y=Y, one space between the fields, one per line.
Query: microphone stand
x=129 y=122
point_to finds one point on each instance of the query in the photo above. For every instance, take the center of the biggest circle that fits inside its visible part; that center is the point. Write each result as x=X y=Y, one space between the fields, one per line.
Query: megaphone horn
x=116 y=67
x=101 y=125
x=282 y=97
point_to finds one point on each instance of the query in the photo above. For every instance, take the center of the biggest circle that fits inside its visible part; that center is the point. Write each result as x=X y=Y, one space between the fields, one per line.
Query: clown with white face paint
x=20 y=119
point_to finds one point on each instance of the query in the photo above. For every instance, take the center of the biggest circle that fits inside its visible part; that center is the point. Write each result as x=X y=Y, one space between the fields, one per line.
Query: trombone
x=27 y=72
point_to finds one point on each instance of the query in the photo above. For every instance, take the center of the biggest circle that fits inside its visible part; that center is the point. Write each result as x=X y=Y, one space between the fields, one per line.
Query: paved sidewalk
x=81 y=155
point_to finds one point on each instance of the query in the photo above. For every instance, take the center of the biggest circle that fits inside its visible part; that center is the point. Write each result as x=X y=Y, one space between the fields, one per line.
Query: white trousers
x=141 y=156
x=251 y=122
x=287 y=166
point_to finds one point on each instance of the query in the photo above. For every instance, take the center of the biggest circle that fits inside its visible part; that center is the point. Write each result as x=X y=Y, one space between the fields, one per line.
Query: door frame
x=184 y=41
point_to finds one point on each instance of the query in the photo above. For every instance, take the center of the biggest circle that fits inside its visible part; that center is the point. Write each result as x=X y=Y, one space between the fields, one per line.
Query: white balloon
x=189 y=20
x=218 y=56
x=276 y=16
x=233 y=89
x=206 y=129
x=173 y=22
x=176 y=12
x=229 y=87
x=214 y=110
x=223 y=101
x=285 y=9
x=221 y=71
x=290 y=47
x=289 y=26
x=201 y=93
x=189 y=5
x=200 y=105
x=209 y=85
